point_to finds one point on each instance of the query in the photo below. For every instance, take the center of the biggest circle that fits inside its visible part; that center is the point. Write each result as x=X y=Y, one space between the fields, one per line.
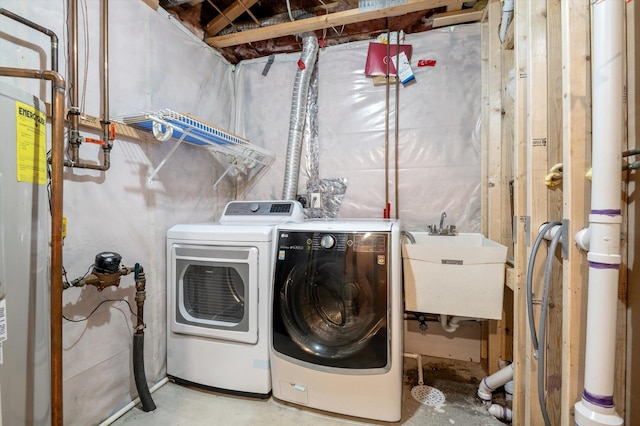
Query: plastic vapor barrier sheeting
x=438 y=143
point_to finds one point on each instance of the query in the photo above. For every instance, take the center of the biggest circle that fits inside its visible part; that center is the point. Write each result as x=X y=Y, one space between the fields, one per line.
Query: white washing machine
x=218 y=293
x=337 y=317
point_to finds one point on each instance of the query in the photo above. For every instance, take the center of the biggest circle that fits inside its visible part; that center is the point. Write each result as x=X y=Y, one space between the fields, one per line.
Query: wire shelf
x=242 y=159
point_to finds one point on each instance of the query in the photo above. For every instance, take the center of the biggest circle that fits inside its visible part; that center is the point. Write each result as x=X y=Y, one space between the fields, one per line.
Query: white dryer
x=218 y=292
x=337 y=317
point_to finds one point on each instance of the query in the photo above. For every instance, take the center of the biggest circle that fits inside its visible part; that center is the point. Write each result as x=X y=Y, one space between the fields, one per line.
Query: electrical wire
x=289 y=10
x=543 y=326
x=64 y=273
x=100 y=304
x=532 y=258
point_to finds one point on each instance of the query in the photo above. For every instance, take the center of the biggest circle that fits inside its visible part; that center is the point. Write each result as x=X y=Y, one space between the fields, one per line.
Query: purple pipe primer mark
x=599 y=400
x=607 y=212
x=598 y=265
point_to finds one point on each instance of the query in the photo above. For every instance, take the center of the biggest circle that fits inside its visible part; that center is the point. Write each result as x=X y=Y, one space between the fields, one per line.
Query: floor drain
x=427 y=395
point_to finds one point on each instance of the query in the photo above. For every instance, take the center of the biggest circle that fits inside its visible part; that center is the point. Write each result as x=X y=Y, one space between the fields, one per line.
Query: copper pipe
x=397 y=126
x=387 y=213
x=75 y=139
x=46 y=31
x=105 y=73
x=57 y=166
x=141 y=295
x=74 y=133
x=106 y=164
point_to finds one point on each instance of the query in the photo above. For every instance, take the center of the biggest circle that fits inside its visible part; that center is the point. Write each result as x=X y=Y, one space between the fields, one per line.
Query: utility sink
x=459 y=275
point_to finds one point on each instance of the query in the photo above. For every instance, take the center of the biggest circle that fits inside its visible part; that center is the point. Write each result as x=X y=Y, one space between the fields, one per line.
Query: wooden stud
x=632 y=400
x=576 y=139
x=521 y=353
x=537 y=191
x=553 y=363
x=494 y=209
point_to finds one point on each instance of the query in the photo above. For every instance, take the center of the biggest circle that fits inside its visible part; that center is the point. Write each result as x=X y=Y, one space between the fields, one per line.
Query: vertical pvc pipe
x=597 y=406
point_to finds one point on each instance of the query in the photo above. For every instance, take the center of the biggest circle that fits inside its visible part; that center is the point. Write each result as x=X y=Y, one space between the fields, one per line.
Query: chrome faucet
x=442 y=216
x=441 y=230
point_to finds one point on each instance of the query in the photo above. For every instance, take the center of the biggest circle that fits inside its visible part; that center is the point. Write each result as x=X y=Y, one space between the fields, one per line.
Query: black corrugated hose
x=138 y=345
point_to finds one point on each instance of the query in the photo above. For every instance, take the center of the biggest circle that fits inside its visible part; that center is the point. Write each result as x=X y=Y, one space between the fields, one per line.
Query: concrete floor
x=458 y=381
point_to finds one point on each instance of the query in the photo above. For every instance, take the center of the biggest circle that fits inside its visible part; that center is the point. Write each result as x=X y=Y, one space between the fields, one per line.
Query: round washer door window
x=329 y=312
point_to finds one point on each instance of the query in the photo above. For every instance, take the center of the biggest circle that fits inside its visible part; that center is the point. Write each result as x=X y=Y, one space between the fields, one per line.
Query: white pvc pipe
x=500 y=412
x=447 y=325
x=582 y=239
x=418 y=359
x=452 y=325
x=551 y=232
x=507 y=13
x=596 y=406
x=132 y=404
x=490 y=383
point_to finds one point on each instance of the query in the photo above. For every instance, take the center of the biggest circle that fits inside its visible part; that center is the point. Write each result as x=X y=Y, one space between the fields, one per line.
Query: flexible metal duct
x=306 y=65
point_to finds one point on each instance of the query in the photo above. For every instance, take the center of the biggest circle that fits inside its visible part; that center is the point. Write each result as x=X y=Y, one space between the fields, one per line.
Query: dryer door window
x=214 y=292
x=330 y=298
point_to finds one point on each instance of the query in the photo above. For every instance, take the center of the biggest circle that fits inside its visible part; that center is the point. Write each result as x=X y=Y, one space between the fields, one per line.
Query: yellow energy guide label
x=31 y=144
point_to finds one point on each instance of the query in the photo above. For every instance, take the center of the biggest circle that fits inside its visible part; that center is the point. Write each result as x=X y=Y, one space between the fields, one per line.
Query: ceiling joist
x=325 y=21
x=228 y=15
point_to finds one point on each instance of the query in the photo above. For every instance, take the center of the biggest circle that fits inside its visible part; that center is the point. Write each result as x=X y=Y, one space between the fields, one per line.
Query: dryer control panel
x=259 y=211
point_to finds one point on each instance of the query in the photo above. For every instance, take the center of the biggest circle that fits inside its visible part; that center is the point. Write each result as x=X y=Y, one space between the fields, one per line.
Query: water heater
x=24 y=270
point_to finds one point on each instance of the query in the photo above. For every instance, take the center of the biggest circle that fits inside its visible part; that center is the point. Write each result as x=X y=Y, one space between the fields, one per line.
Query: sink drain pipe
x=489 y=384
x=451 y=325
x=597 y=406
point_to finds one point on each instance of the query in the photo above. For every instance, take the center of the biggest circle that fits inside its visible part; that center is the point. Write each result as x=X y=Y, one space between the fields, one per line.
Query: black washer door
x=330 y=298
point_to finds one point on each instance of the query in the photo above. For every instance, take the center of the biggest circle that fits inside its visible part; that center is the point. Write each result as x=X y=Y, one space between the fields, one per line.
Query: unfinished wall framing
x=551 y=124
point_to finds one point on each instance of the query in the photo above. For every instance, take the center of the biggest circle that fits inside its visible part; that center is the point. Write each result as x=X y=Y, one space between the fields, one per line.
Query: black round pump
x=107 y=262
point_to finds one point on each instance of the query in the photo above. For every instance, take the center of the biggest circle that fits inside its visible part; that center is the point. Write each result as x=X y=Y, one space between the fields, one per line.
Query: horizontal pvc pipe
x=550 y=233
x=132 y=404
x=500 y=412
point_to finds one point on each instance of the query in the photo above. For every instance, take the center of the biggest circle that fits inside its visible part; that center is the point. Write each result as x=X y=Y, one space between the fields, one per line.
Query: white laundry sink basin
x=460 y=275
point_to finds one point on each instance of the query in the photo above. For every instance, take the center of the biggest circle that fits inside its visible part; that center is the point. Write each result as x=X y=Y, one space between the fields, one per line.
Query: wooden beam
x=89 y=122
x=325 y=21
x=153 y=4
x=455 y=6
x=93 y=123
x=456 y=17
x=228 y=15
